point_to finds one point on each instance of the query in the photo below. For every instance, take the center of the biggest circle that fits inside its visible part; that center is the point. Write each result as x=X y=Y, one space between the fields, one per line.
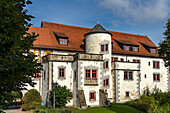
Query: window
x=115 y=59
x=156 y=64
x=89 y=74
x=91 y=95
x=104 y=47
x=94 y=73
x=145 y=75
x=128 y=75
x=106 y=64
x=63 y=41
x=152 y=50
x=37 y=75
x=126 y=48
x=106 y=82
x=121 y=59
x=127 y=94
x=61 y=72
x=130 y=48
x=148 y=63
x=134 y=60
x=156 y=77
x=135 y=48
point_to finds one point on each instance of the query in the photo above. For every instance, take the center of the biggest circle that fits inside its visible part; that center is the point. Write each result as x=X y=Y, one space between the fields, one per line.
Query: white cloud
x=138 y=11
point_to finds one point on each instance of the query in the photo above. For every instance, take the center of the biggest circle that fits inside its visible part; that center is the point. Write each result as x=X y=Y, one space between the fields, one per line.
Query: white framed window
x=63 y=41
x=152 y=50
x=104 y=47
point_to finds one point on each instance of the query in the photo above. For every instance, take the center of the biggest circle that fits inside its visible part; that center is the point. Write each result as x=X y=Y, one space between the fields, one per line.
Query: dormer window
x=61 y=38
x=152 y=50
x=63 y=41
x=130 y=48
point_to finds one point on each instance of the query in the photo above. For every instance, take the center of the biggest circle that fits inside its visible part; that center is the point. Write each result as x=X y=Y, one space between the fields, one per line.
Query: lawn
x=114 y=108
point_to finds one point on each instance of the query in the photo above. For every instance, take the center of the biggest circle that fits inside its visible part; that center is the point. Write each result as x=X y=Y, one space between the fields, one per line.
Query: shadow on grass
x=122 y=108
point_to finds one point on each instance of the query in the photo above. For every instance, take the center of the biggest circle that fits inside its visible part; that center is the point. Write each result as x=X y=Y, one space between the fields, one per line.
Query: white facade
x=116 y=81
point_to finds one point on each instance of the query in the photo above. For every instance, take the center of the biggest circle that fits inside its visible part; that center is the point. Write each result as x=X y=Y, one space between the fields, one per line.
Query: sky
x=143 y=17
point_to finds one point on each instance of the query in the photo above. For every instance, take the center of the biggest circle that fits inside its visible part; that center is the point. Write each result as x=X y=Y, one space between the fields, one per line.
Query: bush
x=62 y=96
x=31 y=100
x=154 y=101
x=143 y=104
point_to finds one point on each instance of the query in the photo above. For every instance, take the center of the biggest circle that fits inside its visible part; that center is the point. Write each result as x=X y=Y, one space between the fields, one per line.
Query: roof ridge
x=128 y=33
x=38 y=27
x=91 y=28
x=67 y=25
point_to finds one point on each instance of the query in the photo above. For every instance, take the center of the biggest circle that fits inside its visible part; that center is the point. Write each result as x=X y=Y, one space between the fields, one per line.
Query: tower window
x=104 y=47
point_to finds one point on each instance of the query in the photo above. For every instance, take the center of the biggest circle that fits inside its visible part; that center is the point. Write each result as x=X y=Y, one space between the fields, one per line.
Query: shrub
x=154 y=101
x=31 y=99
x=62 y=96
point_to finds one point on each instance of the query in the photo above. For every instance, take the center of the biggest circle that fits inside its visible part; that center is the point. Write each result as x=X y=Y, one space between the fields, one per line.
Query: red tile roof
x=47 y=39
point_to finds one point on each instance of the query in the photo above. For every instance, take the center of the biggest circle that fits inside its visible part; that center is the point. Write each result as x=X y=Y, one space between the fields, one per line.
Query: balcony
x=59 y=58
x=90 y=81
x=117 y=65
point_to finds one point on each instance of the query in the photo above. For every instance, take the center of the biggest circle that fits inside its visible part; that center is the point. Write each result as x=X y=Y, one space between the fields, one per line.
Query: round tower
x=98 y=41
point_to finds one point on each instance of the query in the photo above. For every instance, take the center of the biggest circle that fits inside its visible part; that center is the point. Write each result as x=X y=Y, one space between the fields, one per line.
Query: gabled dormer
x=128 y=45
x=150 y=48
x=61 y=38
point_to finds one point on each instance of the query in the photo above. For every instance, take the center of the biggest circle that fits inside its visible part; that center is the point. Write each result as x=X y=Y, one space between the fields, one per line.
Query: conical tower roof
x=97 y=29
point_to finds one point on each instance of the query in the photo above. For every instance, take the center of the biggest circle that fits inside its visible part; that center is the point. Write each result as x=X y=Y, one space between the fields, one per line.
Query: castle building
x=97 y=65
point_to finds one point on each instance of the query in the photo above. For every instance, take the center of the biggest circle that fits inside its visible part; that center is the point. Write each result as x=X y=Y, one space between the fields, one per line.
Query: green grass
x=114 y=108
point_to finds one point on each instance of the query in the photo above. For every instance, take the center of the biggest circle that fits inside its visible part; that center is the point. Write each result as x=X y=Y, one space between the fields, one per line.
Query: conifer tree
x=17 y=64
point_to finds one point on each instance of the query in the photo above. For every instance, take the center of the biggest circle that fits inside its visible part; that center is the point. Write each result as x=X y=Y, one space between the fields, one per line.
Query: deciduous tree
x=164 y=46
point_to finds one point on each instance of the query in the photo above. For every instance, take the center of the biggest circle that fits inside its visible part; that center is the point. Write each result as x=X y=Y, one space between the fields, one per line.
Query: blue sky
x=144 y=17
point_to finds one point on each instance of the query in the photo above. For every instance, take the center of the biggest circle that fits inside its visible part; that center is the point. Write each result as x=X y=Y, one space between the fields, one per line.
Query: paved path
x=15 y=109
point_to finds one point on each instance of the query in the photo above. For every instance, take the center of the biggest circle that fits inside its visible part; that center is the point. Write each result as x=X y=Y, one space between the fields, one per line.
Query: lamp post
x=54 y=87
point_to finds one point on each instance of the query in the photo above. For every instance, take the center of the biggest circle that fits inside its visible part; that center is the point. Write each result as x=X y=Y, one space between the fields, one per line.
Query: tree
x=62 y=96
x=17 y=64
x=164 y=46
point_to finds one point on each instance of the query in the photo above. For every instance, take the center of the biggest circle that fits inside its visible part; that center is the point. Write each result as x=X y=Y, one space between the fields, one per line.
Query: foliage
x=16 y=94
x=31 y=100
x=62 y=96
x=143 y=103
x=164 y=46
x=154 y=101
x=17 y=64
